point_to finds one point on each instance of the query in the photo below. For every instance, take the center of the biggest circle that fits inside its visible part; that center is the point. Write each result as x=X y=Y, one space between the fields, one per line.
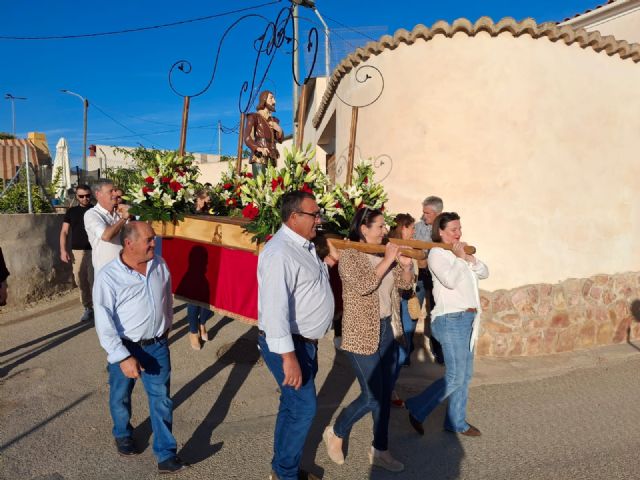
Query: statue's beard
x=271 y=108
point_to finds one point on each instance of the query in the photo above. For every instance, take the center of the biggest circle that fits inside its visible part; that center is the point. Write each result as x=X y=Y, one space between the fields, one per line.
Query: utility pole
x=13 y=99
x=296 y=69
x=85 y=106
x=219 y=140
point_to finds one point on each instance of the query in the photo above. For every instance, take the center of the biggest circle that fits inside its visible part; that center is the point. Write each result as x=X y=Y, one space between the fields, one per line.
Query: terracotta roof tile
x=550 y=30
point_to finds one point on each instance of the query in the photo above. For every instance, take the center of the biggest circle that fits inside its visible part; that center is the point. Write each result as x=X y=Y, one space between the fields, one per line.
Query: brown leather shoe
x=469 y=432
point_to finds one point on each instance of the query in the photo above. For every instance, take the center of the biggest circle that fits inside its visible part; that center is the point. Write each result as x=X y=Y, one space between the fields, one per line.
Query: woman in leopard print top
x=370 y=286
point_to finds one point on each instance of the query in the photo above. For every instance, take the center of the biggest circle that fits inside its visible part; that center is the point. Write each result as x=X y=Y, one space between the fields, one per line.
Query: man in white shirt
x=133 y=308
x=295 y=309
x=103 y=224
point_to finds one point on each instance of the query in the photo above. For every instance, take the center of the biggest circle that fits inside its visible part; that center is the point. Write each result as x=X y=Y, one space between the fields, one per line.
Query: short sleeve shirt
x=75 y=218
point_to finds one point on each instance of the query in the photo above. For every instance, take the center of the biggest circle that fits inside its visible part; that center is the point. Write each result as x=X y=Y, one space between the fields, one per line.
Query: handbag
x=413 y=304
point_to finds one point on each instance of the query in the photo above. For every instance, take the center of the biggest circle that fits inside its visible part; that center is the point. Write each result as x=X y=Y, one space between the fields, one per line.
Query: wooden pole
x=240 y=136
x=302 y=110
x=371 y=248
x=469 y=250
x=183 y=130
x=352 y=144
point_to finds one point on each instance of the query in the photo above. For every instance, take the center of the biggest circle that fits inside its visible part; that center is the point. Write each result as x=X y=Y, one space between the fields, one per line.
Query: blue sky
x=125 y=77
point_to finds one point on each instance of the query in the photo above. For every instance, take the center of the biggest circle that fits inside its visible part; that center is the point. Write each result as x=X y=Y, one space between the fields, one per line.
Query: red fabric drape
x=224 y=278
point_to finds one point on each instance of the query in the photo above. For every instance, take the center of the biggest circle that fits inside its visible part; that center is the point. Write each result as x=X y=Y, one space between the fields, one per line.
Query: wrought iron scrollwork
x=276 y=35
x=363 y=75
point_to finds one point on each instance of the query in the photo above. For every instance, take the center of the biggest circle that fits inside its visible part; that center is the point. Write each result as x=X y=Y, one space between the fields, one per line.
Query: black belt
x=296 y=336
x=148 y=341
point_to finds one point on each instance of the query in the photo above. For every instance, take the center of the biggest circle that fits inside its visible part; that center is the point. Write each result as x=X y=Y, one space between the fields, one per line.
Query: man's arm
x=274 y=291
x=64 y=253
x=113 y=230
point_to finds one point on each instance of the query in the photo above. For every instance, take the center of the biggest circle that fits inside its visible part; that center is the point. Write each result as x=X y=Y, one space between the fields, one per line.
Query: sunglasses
x=83 y=196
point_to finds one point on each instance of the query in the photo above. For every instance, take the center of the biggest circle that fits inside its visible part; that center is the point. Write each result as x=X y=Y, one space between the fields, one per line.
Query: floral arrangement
x=165 y=187
x=260 y=197
x=363 y=192
x=225 y=196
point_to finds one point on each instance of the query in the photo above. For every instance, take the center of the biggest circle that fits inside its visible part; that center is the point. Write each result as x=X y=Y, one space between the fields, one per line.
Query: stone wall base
x=572 y=315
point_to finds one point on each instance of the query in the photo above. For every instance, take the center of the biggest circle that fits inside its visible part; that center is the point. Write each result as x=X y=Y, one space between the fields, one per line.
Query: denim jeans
x=409 y=327
x=197 y=316
x=297 y=407
x=376 y=375
x=156 y=377
x=453 y=331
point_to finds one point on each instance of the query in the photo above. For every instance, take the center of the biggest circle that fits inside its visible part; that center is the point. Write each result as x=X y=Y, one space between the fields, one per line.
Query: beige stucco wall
x=534 y=143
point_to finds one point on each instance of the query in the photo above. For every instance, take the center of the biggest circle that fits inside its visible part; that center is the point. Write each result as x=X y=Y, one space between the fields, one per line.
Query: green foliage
x=15 y=198
x=123 y=177
x=6 y=136
x=54 y=190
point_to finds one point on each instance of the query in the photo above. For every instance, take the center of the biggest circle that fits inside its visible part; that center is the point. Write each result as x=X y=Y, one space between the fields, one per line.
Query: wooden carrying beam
x=469 y=250
x=371 y=248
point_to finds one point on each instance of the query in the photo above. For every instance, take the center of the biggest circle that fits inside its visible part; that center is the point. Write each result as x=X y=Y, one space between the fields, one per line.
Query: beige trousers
x=83 y=275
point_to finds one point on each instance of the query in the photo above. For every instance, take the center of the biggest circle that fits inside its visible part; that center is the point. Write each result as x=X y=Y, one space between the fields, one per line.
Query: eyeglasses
x=83 y=196
x=316 y=215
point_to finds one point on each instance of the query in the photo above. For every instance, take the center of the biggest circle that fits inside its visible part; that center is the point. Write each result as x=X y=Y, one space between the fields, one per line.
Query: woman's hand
x=391 y=251
x=406 y=262
x=458 y=250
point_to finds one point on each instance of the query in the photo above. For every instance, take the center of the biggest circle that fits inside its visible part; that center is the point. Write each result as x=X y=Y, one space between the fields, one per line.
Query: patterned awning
x=12 y=155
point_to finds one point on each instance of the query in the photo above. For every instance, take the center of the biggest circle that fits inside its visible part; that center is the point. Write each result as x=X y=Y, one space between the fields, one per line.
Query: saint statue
x=261 y=132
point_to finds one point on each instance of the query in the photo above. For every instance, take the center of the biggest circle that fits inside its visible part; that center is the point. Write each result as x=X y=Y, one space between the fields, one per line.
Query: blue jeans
x=297 y=407
x=409 y=327
x=197 y=316
x=156 y=377
x=453 y=331
x=376 y=375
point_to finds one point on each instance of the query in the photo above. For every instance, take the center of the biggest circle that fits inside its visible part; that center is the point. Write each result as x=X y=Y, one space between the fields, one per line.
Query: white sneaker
x=383 y=459
x=335 y=454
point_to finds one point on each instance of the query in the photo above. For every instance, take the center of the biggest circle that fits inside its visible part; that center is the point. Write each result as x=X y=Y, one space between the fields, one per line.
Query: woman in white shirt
x=455 y=325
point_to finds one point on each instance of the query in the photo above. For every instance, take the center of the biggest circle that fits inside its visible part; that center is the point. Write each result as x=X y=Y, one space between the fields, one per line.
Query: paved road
x=559 y=417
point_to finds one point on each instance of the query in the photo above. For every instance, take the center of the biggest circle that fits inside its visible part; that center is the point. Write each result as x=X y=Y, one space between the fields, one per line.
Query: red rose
x=366 y=180
x=165 y=179
x=227 y=186
x=175 y=186
x=180 y=172
x=149 y=180
x=306 y=188
x=146 y=190
x=276 y=182
x=250 y=211
x=231 y=202
x=338 y=205
x=307 y=169
x=248 y=175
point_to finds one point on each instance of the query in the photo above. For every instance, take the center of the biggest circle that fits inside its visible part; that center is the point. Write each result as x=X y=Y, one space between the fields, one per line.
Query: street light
x=13 y=99
x=85 y=102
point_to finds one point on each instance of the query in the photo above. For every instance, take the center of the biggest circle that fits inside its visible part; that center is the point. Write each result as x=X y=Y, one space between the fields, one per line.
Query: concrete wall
x=535 y=143
x=30 y=244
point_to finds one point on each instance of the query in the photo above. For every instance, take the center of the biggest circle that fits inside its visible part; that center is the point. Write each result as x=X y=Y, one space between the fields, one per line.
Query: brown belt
x=472 y=310
x=296 y=336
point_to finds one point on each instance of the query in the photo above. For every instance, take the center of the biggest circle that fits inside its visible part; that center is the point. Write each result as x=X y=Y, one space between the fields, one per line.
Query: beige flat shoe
x=204 y=335
x=384 y=460
x=335 y=454
x=195 y=341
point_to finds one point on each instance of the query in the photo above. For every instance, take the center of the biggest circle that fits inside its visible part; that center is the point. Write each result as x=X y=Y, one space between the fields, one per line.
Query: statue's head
x=267 y=100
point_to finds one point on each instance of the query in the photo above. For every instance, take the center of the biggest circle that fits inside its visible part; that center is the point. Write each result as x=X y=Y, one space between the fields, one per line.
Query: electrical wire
x=350 y=28
x=141 y=29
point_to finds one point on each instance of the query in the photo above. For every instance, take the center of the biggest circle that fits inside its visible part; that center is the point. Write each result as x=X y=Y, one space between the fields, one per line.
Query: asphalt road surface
x=570 y=416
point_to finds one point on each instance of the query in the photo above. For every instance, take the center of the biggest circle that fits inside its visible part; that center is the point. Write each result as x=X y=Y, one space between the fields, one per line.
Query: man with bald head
x=133 y=308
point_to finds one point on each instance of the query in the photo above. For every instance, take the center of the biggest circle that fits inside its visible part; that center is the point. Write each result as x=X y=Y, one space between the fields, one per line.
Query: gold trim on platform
x=226 y=232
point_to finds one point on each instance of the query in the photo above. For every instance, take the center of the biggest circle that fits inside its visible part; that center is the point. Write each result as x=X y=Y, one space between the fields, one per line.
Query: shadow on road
x=66 y=333
x=199 y=447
